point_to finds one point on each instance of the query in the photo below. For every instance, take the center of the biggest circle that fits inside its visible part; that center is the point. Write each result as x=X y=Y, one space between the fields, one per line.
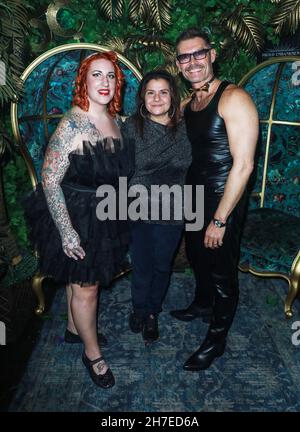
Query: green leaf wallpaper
x=143 y=30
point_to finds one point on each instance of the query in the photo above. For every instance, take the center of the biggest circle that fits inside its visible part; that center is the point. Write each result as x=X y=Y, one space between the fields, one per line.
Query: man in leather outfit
x=222 y=125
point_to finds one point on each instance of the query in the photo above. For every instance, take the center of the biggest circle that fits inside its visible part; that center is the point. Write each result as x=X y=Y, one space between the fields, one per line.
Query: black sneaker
x=150 y=329
x=135 y=323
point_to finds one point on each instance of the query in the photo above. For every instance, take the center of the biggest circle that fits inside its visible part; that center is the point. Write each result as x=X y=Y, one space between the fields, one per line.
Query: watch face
x=218 y=223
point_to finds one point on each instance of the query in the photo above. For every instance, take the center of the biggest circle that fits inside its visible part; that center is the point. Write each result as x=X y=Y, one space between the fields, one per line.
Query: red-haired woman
x=85 y=152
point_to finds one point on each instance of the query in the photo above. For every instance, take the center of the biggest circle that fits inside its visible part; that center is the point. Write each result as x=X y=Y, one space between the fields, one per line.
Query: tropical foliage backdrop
x=143 y=30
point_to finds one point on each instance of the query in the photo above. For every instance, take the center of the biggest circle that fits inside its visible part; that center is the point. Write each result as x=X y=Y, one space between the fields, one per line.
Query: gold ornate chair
x=271 y=238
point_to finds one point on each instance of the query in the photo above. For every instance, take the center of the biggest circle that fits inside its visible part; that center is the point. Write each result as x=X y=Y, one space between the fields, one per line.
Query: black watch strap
x=218 y=223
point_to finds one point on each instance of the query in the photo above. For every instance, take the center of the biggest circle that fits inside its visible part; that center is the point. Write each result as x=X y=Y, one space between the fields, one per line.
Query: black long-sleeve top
x=162 y=157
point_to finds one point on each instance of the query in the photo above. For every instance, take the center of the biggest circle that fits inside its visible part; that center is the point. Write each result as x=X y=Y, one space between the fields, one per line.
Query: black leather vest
x=211 y=155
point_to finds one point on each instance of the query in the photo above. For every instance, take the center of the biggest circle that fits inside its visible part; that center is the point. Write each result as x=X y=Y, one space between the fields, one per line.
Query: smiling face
x=196 y=71
x=158 y=99
x=101 y=82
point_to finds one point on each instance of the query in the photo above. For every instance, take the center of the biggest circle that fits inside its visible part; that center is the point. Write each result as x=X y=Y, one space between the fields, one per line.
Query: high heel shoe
x=106 y=380
x=73 y=338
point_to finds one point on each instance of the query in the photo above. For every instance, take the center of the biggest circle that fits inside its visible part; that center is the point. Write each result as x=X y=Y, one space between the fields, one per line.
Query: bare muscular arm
x=241 y=120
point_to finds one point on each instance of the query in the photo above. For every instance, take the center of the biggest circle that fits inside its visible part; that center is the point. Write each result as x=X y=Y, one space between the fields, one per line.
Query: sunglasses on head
x=198 y=55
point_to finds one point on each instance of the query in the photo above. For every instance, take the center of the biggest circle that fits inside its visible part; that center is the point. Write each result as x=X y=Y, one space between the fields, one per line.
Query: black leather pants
x=216 y=270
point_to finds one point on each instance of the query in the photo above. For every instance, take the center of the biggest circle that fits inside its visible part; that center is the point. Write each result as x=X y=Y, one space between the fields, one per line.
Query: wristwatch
x=218 y=223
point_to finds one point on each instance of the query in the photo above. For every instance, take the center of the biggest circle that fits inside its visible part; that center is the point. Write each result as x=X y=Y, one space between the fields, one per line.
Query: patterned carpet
x=260 y=370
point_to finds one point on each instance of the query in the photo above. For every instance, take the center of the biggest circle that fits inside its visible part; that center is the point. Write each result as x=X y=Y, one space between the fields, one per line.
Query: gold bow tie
x=205 y=86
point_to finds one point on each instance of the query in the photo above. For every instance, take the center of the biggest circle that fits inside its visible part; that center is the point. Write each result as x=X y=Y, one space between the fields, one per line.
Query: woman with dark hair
x=85 y=151
x=162 y=157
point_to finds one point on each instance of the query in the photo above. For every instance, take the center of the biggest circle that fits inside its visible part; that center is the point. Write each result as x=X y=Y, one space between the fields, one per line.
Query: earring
x=141 y=112
x=173 y=112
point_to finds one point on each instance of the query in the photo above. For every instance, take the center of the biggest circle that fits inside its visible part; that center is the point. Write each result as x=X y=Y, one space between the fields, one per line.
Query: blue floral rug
x=260 y=370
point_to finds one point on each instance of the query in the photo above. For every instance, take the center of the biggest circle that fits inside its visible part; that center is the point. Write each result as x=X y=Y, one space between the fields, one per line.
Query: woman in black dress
x=85 y=151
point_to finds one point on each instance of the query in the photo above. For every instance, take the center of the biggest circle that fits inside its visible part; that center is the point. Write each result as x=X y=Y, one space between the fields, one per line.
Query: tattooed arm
x=56 y=163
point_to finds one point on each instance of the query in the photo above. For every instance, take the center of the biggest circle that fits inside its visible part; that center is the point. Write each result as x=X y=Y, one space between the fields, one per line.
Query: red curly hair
x=80 y=94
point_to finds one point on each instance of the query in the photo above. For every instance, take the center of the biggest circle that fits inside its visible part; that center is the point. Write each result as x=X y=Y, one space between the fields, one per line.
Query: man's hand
x=214 y=236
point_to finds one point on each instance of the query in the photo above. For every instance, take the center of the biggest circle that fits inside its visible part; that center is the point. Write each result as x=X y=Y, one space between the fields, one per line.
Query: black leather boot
x=205 y=355
x=193 y=311
x=226 y=298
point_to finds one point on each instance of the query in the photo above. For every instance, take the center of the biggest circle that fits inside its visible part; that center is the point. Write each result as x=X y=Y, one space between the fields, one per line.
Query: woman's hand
x=71 y=245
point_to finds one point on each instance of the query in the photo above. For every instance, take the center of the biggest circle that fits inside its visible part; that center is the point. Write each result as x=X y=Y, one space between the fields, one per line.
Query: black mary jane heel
x=106 y=380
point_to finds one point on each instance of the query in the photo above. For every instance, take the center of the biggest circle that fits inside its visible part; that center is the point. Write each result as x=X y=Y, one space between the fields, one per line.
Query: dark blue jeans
x=152 y=251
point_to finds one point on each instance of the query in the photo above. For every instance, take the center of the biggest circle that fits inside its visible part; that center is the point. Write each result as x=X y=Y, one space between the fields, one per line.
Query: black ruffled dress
x=104 y=242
